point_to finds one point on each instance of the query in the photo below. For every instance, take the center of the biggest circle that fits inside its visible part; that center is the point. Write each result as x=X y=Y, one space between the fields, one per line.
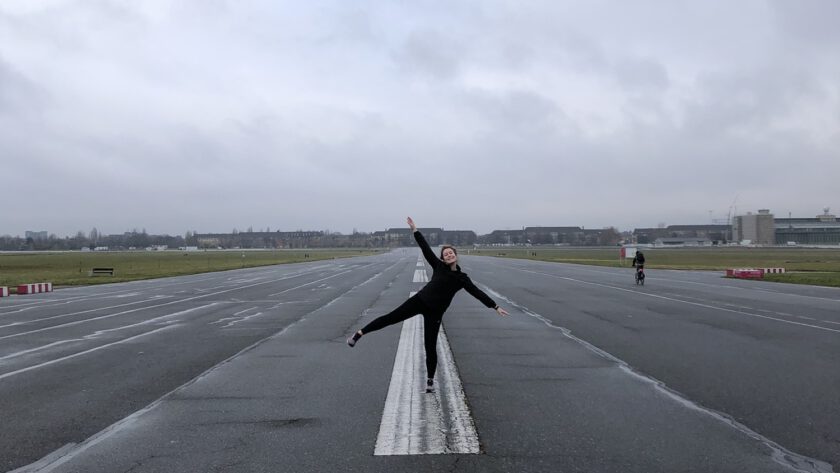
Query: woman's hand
x=502 y=312
x=411 y=225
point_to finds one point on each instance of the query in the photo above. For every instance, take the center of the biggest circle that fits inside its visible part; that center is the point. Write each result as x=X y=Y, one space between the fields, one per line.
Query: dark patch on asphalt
x=272 y=423
x=211 y=398
x=595 y=315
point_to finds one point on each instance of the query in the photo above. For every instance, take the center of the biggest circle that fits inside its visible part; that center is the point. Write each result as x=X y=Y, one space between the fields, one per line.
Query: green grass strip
x=73 y=268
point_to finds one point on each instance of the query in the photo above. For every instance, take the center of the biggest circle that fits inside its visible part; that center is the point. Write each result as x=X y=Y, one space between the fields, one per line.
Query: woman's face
x=449 y=256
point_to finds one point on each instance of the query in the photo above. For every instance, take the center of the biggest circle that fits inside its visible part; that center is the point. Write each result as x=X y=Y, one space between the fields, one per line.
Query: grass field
x=802 y=265
x=72 y=268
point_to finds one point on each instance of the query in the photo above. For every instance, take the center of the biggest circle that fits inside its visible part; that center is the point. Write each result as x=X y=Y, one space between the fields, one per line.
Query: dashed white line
x=74 y=355
x=98 y=333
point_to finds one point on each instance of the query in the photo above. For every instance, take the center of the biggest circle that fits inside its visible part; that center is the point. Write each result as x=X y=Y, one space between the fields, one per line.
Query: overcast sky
x=213 y=115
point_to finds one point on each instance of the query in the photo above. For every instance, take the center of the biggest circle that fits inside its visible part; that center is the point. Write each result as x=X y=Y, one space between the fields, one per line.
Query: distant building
x=208 y=242
x=649 y=235
x=42 y=235
x=459 y=237
x=555 y=235
x=572 y=236
x=821 y=230
x=757 y=228
x=714 y=233
x=404 y=237
x=278 y=239
x=674 y=242
x=504 y=237
x=601 y=237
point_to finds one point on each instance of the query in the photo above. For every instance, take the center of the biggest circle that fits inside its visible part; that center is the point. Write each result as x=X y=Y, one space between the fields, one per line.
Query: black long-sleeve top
x=438 y=293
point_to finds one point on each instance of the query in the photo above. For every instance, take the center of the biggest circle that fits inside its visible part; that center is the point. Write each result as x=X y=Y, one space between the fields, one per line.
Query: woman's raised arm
x=424 y=245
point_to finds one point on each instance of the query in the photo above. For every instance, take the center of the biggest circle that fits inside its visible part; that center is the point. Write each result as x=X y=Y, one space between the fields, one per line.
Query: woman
x=432 y=301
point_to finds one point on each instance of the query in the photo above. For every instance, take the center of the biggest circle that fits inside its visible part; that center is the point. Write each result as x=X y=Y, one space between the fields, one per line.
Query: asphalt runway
x=248 y=370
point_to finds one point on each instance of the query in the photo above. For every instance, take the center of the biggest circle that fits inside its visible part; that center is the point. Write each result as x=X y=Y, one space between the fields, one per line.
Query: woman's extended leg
x=431 y=327
x=409 y=308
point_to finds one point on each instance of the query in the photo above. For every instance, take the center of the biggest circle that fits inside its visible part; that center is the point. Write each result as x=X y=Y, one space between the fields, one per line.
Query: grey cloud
x=429 y=53
x=476 y=115
x=19 y=96
x=641 y=74
x=514 y=111
x=812 y=21
x=747 y=100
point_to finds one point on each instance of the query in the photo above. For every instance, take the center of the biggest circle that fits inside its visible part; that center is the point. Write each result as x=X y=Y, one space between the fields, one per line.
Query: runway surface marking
x=98 y=333
x=707 y=306
x=31 y=321
x=418 y=423
x=175 y=302
x=738 y=287
x=779 y=454
x=74 y=355
x=72 y=450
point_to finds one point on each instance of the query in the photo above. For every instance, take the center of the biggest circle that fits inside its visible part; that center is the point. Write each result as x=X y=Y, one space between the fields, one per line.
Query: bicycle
x=640 y=275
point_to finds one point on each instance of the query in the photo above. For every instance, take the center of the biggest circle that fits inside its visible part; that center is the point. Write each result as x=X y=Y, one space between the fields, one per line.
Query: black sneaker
x=352 y=340
x=430 y=385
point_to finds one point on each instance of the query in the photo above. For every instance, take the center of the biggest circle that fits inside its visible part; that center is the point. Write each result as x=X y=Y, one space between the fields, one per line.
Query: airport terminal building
x=821 y=230
x=760 y=228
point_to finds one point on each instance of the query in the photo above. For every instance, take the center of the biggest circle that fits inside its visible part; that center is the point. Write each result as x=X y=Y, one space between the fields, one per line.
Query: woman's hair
x=445 y=247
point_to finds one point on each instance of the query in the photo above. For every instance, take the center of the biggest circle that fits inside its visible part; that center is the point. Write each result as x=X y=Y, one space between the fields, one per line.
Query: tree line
x=137 y=239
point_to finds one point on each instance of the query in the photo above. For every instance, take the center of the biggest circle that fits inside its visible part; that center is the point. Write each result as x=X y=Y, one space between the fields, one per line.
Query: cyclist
x=639 y=264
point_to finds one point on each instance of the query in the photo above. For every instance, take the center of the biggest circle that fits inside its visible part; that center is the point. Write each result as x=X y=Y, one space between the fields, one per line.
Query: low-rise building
x=678 y=242
x=821 y=230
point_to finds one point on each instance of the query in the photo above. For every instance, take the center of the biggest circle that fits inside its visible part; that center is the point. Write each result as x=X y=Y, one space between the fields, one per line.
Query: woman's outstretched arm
x=483 y=297
x=424 y=246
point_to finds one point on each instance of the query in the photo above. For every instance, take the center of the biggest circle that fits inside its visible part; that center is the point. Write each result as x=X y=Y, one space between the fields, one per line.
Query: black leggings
x=431 y=327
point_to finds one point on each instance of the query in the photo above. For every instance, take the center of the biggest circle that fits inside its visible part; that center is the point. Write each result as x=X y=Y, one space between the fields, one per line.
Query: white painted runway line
x=418 y=423
x=780 y=454
x=673 y=299
x=420 y=276
x=237 y=318
x=407 y=428
x=163 y=319
x=74 y=355
x=202 y=296
x=461 y=436
x=60 y=316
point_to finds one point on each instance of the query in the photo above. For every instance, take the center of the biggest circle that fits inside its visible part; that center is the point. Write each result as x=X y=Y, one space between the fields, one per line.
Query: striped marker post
x=35 y=288
x=25 y=289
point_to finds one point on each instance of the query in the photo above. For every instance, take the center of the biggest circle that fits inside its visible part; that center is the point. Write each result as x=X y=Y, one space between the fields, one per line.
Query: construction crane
x=732 y=209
